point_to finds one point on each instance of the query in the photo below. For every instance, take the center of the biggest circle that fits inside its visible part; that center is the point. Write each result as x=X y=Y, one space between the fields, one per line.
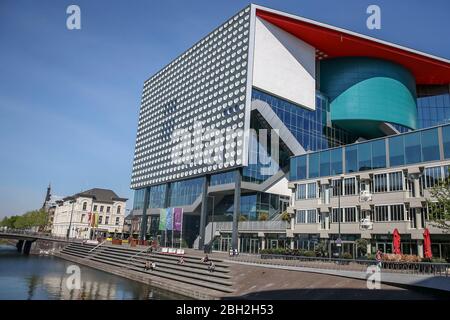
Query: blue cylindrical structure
x=365 y=92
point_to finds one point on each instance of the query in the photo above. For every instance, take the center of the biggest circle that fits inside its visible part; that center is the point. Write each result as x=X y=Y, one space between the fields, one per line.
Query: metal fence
x=34 y=234
x=416 y=268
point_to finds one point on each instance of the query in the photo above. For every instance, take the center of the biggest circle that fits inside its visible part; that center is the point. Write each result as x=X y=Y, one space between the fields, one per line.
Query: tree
x=361 y=245
x=439 y=204
x=36 y=218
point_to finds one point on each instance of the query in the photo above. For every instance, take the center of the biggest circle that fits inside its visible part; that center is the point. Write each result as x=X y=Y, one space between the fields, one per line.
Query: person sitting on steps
x=211 y=267
x=147 y=265
x=205 y=259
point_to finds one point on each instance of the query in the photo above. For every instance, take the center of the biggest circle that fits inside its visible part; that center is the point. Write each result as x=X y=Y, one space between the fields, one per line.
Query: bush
x=263 y=217
x=346 y=255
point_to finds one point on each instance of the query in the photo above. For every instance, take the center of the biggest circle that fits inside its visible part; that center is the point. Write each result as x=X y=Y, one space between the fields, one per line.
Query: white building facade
x=73 y=214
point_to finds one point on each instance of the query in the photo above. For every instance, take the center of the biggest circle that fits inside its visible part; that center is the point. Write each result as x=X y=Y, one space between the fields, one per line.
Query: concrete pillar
x=418 y=213
x=27 y=247
x=237 y=209
x=204 y=212
x=293 y=223
x=420 y=248
x=327 y=222
x=143 y=230
x=416 y=187
x=263 y=243
x=292 y=243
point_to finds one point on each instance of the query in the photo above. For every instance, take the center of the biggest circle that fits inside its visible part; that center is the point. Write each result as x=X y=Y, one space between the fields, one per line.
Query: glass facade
x=433 y=110
x=312 y=129
x=404 y=149
x=222 y=178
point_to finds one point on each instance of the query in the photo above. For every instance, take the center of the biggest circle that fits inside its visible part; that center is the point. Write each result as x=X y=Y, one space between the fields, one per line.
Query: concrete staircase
x=192 y=272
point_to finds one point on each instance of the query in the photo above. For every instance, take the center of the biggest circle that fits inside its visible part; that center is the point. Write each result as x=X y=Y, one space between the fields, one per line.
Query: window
x=396 y=151
x=412 y=148
x=324 y=163
x=446 y=141
x=312 y=193
x=396 y=181
x=350 y=214
x=336 y=188
x=301 y=216
x=118 y=209
x=381 y=213
x=336 y=161
x=379 y=154
x=95 y=208
x=431 y=177
x=335 y=217
x=430 y=145
x=100 y=219
x=108 y=209
x=107 y=220
x=379 y=182
x=312 y=216
x=351 y=159
x=117 y=221
x=84 y=206
x=298 y=168
x=313 y=168
x=101 y=208
x=364 y=156
x=306 y=191
x=349 y=186
x=82 y=217
x=397 y=212
x=301 y=191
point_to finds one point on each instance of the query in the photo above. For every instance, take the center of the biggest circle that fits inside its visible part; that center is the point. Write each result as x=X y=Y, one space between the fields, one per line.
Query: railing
x=254 y=225
x=37 y=234
x=95 y=248
x=128 y=261
x=413 y=268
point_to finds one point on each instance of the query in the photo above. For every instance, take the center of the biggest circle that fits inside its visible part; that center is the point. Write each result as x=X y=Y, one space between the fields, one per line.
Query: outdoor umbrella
x=396 y=242
x=427 y=244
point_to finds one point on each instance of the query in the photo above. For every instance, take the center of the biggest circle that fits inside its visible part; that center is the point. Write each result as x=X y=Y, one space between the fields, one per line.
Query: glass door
x=254 y=246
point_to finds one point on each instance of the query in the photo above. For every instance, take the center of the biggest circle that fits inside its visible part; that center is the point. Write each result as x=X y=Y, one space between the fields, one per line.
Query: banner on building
x=169 y=219
x=177 y=219
x=162 y=219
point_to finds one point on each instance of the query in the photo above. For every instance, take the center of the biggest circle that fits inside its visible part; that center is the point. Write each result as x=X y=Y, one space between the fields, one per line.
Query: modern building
x=218 y=125
x=72 y=217
x=366 y=190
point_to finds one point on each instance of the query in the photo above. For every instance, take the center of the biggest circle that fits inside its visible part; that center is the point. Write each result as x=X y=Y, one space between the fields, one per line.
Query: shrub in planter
x=346 y=255
x=309 y=254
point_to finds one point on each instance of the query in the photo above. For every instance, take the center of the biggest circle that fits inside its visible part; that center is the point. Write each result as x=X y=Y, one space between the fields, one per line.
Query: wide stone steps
x=192 y=272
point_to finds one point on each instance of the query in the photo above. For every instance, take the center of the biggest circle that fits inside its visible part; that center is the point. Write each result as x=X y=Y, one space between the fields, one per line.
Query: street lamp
x=71 y=214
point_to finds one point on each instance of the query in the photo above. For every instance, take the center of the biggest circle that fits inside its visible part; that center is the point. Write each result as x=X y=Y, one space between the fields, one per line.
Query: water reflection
x=44 y=278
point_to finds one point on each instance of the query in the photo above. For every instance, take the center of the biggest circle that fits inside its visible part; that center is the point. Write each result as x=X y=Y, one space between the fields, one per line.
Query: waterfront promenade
x=246 y=277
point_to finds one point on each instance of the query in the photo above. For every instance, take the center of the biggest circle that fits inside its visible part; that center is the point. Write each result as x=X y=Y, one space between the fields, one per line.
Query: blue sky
x=69 y=100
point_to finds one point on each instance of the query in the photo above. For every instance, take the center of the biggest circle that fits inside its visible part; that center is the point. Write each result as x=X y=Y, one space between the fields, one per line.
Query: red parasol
x=427 y=244
x=396 y=242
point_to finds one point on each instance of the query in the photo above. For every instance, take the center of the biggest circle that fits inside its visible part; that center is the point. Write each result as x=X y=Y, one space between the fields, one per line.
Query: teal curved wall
x=364 y=92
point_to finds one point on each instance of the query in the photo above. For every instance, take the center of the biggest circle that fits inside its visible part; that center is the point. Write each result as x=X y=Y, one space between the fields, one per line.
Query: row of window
x=100 y=219
x=108 y=208
x=381 y=182
x=381 y=213
x=403 y=149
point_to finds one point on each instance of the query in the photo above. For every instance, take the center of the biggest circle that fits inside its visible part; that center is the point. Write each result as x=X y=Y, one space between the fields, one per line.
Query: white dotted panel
x=203 y=89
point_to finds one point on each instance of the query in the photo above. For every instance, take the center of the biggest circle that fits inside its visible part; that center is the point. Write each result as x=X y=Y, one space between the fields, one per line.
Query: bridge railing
x=359 y=265
x=42 y=235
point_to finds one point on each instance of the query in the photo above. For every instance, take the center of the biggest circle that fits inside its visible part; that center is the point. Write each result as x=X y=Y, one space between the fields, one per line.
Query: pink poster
x=177 y=218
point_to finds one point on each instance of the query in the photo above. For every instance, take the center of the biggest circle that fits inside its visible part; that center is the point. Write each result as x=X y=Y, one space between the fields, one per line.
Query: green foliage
x=242 y=218
x=439 y=205
x=263 y=217
x=285 y=216
x=289 y=252
x=36 y=218
x=322 y=249
x=346 y=255
x=361 y=245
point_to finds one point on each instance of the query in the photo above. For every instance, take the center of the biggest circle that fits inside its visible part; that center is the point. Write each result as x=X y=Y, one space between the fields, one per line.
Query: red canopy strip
x=396 y=242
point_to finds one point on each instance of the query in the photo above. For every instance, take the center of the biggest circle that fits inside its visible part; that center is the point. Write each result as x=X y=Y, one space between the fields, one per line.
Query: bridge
x=25 y=238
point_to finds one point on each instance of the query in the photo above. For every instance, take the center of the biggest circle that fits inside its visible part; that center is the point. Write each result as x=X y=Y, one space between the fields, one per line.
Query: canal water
x=45 y=278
